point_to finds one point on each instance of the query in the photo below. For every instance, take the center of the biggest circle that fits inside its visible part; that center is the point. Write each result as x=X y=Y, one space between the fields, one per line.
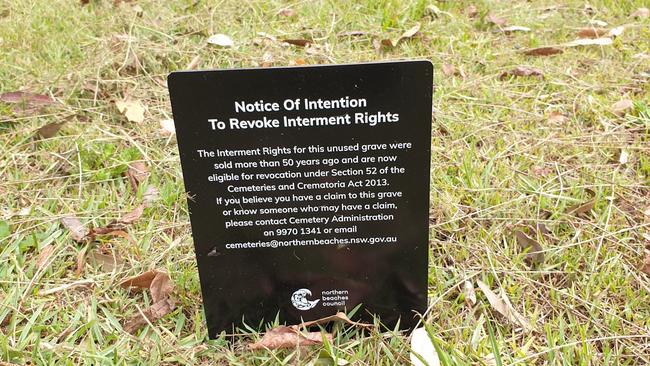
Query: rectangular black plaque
x=308 y=189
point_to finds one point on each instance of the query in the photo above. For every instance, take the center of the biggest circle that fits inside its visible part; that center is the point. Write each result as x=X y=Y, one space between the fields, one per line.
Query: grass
x=498 y=165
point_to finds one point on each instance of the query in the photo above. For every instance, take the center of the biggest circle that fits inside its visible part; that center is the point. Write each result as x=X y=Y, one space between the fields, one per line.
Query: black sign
x=308 y=189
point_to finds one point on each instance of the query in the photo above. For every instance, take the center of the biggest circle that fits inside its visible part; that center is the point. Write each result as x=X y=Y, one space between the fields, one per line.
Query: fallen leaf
x=534 y=250
x=471 y=11
x=167 y=127
x=152 y=313
x=136 y=172
x=641 y=13
x=339 y=316
x=27 y=98
x=645 y=268
x=49 y=130
x=448 y=69
x=515 y=28
x=44 y=256
x=297 y=62
x=132 y=216
x=591 y=32
x=141 y=281
x=623 y=157
x=161 y=286
x=522 y=71
x=470 y=294
x=286 y=12
x=132 y=109
x=106 y=262
x=615 y=32
x=193 y=63
x=589 y=42
x=622 y=107
x=422 y=346
x=496 y=20
x=220 y=40
x=78 y=231
x=581 y=208
x=81 y=261
x=288 y=337
x=556 y=117
x=504 y=307
x=151 y=195
x=297 y=42
x=543 y=51
x=410 y=32
x=116 y=227
x=267 y=59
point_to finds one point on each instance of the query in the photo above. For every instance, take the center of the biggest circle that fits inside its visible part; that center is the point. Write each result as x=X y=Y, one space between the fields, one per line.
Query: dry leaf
x=132 y=216
x=194 y=63
x=645 y=268
x=136 y=172
x=615 y=32
x=27 y=98
x=422 y=346
x=621 y=107
x=288 y=337
x=150 y=196
x=297 y=62
x=543 y=51
x=470 y=294
x=515 y=28
x=132 y=109
x=106 y=262
x=581 y=208
x=624 y=157
x=641 y=13
x=496 y=20
x=339 y=316
x=522 y=71
x=161 y=286
x=267 y=59
x=534 y=250
x=591 y=32
x=410 y=32
x=50 y=129
x=589 y=42
x=167 y=127
x=286 y=12
x=152 y=313
x=297 y=42
x=448 y=69
x=78 y=231
x=471 y=11
x=44 y=256
x=503 y=306
x=141 y=281
x=556 y=117
x=220 y=40
x=81 y=261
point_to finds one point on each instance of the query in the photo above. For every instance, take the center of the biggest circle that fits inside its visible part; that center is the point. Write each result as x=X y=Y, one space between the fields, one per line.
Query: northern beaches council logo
x=330 y=298
x=300 y=301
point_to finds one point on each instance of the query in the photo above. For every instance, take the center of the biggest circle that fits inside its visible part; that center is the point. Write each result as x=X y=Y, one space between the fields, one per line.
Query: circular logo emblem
x=300 y=301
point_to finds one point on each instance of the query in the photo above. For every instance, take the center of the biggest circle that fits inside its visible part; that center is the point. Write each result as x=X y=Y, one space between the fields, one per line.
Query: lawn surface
x=519 y=164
